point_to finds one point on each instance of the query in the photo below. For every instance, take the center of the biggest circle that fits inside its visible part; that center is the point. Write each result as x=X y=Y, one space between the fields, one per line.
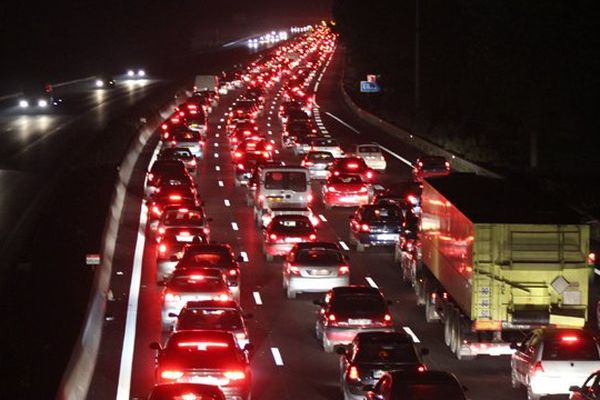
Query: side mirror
x=424 y=351
x=155 y=346
x=173 y=258
x=173 y=315
x=341 y=350
x=575 y=389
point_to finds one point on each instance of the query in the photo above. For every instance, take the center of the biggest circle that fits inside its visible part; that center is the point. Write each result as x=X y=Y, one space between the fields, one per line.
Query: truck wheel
x=448 y=327
x=430 y=312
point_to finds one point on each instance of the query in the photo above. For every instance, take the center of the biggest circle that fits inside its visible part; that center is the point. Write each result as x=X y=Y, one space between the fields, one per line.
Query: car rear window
x=320 y=157
x=183 y=217
x=582 y=349
x=348 y=179
x=288 y=180
x=386 y=352
x=369 y=149
x=382 y=213
x=319 y=257
x=208 y=258
x=190 y=284
x=186 y=136
x=223 y=320
x=358 y=303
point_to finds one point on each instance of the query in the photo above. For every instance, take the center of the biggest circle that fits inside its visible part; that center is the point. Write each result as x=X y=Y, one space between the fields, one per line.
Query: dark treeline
x=494 y=74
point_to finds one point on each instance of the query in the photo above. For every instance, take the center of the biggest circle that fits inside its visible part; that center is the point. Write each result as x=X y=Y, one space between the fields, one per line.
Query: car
x=590 y=390
x=206 y=357
x=197 y=391
x=191 y=284
x=296 y=129
x=314 y=268
x=302 y=143
x=185 y=223
x=182 y=154
x=243 y=130
x=168 y=253
x=348 y=310
x=352 y=165
x=372 y=155
x=105 y=82
x=194 y=116
x=246 y=109
x=253 y=145
x=188 y=139
x=430 y=166
x=281 y=186
x=375 y=225
x=284 y=231
x=254 y=180
x=202 y=101
x=245 y=164
x=214 y=315
x=404 y=385
x=286 y=107
x=214 y=255
x=344 y=190
x=181 y=196
x=371 y=354
x=160 y=168
x=136 y=73
x=318 y=163
x=38 y=98
x=549 y=361
x=405 y=195
x=326 y=144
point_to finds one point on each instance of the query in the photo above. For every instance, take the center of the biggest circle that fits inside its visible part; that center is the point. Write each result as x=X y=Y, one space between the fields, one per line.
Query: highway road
x=288 y=362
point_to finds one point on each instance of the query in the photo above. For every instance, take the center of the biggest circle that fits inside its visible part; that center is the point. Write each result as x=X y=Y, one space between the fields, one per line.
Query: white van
x=285 y=186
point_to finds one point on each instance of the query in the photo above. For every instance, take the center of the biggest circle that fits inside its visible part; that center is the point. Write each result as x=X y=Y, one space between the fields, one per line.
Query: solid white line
x=257 y=298
x=344 y=245
x=244 y=256
x=124 y=386
x=235 y=226
x=317 y=85
x=221 y=184
x=371 y=282
x=322 y=218
x=411 y=333
x=227 y=203
x=217 y=168
x=399 y=157
x=342 y=122
x=277 y=356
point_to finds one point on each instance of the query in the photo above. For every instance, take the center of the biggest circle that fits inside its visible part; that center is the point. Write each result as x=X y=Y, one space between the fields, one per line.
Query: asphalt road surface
x=280 y=326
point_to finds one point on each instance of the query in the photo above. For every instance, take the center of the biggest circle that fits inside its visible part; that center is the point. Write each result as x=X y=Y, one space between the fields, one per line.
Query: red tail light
x=365 y=228
x=237 y=154
x=343 y=270
x=307 y=163
x=233 y=272
x=293 y=270
x=331 y=189
x=175 y=197
x=309 y=197
x=352 y=166
x=156 y=211
x=537 y=369
x=222 y=297
x=240 y=166
x=363 y=189
x=312 y=236
x=171 y=374
x=569 y=339
x=387 y=318
x=421 y=368
x=235 y=375
x=273 y=236
x=369 y=174
x=164 y=126
x=352 y=374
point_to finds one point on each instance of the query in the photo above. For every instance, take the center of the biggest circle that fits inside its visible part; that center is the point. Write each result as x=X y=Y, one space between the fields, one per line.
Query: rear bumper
x=346 y=201
x=555 y=384
x=375 y=239
x=278 y=249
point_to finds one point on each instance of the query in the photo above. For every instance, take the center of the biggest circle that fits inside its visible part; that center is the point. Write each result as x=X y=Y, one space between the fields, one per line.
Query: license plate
x=293 y=240
x=348 y=199
x=207 y=380
x=359 y=321
x=387 y=236
x=186 y=239
x=275 y=199
x=320 y=272
x=377 y=374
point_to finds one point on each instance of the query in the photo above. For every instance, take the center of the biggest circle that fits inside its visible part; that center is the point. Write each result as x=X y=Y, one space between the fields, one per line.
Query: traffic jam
x=498 y=282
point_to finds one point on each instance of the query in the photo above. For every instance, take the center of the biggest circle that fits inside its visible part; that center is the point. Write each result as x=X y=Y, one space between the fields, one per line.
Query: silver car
x=318 y=163
x=372 y=155
x=188 y=139
x=180 y=153
x=314 y=267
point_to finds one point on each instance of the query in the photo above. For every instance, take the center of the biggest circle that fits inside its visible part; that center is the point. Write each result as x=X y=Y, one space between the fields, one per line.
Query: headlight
x=141 y=72
x=42 y=103
x=130 y=73
x=23 y=103
x=99 y=82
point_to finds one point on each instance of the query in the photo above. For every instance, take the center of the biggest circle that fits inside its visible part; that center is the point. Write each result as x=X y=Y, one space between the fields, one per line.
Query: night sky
x=57 y=40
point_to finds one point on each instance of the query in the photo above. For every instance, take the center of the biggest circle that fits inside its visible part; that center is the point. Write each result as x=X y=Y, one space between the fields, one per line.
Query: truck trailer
x=493 y=260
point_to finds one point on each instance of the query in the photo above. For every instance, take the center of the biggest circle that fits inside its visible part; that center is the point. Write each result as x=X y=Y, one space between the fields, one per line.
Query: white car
x=550 y=361
x=372 y=155
x=329 y=145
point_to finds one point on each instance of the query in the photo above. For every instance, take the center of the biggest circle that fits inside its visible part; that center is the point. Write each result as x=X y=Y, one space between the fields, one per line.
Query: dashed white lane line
x=217 y=168
x=216 y=155
x=322 y=218
x=344 y=245
x=216 y=135
x=235 y=226
x=371 y=282
x=277 y=356
x=343 y=123
x=411 y=334
x=244 y=256
x=257 y=298
x=221 y=184
x=222 y=120
x=227 y=203
x=399 y=157
x=216 y=144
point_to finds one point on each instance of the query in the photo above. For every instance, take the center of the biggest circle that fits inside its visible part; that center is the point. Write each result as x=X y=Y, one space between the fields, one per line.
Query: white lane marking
x=270 y=112
x=322 y=218
x=216 y=155
x=268 y=124
x=218 y=126
x=371 y=282
x=257 y=298
x=277 y=356
x=411 y=333
x=221 y=184
x=342 y=122
x=222 y=120
x=317 y=85
x=399 y=157
x=216 y=135
x=217 y=168
x=235 y=226
x=244 y=256
x=344 y=245
x=270 y=132
x=227 y=203
x=216 y=144
x=124 y=386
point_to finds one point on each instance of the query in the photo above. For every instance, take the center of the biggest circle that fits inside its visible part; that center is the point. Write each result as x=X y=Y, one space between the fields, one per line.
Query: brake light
x=537 y=369
x=331 y=318
x=164 y=126
x=162 y=249
x=592 y=259
x=206 y=230
x=569 y=339
x=222 y=297
x=343 y=270
x=171 y=374
x=331 y=189
x=156 y=211
x=233 y=272
x=235 y=375
x=237 y=154
x=202 y=345
x=184 y=233
x=312 y=236
x=352 y=166
x=411 y=199
x=196 y=277
x=293 y=270
x=365 y=228
x=387 y=318
x=309 y=197
x=240 y=166
x=175 y=197
x=273 y=236
x=266 y=154
x=447 y=164
x=353 y=373
x=369 y=174
x=172 y=297
x=421 y=368
x=307 y=163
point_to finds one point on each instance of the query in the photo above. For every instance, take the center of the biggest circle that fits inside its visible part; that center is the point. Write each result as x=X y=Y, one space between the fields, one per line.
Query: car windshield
x=183 y=217
x=358 y=303
x=382 y=214
x=196 y=283
x=319 y=257
x=218 y=319
x=427 y=391
x=286 y=180
x=387 y=352
x=368 y=149
x=582 y=349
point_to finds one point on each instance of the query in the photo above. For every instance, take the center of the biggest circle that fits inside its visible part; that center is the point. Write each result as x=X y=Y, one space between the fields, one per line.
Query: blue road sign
x=369 y=87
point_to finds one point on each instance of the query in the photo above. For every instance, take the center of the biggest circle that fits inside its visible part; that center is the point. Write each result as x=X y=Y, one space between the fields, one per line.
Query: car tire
x=327 y=346
x=360 y=247
x=290 y=293
x=327 y=206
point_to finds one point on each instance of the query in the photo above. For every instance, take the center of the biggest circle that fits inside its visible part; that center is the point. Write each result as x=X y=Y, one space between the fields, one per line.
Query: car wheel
x=290 y=293
x=360 y=247
x=327 y=206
